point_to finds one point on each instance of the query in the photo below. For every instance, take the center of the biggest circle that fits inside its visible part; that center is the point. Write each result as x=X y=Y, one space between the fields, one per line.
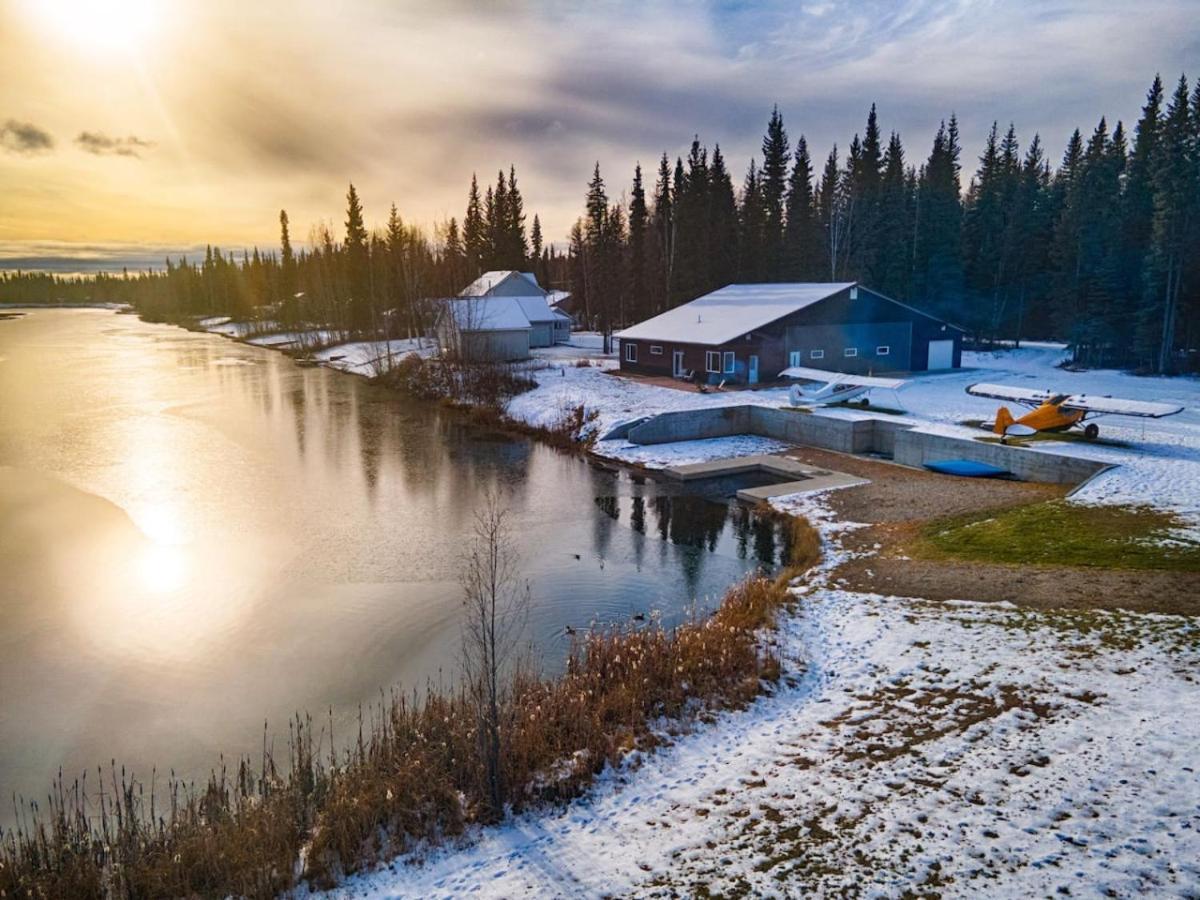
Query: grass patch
x=1063 y=534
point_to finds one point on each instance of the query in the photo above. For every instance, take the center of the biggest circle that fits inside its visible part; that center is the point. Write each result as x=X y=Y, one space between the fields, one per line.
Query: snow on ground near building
x=1160 y=464
x=962 y=748
x=226 y=326
x=373 y=358
x=292 y=339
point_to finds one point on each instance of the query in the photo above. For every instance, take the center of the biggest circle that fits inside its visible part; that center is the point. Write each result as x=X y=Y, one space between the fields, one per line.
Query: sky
x=133 y=128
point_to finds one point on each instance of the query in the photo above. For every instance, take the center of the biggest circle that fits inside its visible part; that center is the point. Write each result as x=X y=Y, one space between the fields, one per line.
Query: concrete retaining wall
x=915 y=448
x=887 y=437
x=692 y=425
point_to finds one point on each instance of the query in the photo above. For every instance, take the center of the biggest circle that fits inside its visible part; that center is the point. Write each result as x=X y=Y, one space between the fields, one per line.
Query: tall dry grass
x=414 y=774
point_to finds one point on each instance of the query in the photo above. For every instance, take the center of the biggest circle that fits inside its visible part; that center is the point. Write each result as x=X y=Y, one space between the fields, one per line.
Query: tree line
x=1102 y=251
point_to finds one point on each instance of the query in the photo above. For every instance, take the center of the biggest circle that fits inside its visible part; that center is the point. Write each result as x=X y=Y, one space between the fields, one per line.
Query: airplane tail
x=1003 y=419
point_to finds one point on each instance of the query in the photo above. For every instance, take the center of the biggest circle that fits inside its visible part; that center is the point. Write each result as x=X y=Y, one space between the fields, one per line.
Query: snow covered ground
x=1160 y=464
x=373 y=358
x=965 y=749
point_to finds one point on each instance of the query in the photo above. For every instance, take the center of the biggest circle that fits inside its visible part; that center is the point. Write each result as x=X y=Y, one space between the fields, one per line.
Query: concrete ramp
x=799 y=477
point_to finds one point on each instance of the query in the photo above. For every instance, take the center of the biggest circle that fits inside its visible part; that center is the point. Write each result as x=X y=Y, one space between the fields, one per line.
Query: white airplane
x=833 y=387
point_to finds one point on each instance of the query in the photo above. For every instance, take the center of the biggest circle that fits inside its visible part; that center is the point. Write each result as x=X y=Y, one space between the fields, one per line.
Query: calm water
x=197 y=536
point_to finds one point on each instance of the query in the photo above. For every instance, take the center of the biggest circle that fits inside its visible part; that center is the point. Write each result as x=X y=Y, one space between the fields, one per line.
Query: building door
x=677 y=363
x=752 y=377
x=941 y=355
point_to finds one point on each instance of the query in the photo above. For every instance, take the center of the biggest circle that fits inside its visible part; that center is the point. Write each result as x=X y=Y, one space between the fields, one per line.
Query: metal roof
x=727 y=314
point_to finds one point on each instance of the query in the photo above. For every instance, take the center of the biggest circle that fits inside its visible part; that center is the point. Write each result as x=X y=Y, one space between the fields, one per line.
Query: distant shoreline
x=117 y=307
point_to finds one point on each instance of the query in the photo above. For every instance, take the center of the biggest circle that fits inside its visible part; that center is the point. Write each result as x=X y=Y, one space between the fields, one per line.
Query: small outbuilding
x=749 y=333
x=484 y=329
x=546 y=326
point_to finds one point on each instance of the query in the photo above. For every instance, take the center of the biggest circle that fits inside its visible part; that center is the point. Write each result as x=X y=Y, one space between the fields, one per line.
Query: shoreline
x=235 y=830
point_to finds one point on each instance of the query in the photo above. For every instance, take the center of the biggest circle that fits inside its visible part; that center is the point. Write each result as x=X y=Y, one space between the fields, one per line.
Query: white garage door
x=941 y=355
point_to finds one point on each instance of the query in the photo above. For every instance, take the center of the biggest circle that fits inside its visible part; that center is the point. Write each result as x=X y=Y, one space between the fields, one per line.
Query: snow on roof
x=489 y=281
x=560 y=315
x=727 y=314
x=556 y=297
x=488 y=313
x=536 y=309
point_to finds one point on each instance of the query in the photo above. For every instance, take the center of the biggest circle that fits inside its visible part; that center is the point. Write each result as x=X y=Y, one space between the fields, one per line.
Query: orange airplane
x=1061 y=412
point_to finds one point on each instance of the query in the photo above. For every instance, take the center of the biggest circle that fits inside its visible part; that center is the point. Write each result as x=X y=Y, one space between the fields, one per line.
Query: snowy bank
x=960 y=748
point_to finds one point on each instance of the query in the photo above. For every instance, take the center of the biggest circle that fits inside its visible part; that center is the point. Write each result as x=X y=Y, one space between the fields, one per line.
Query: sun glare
x=101 y=25
x=163 y=568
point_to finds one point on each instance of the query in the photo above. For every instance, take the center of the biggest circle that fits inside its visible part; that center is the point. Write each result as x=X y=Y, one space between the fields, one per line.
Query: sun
x=99 y=25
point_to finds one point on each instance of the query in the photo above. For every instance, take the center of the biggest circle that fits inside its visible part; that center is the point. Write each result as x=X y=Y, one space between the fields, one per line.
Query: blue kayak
x=966 y=468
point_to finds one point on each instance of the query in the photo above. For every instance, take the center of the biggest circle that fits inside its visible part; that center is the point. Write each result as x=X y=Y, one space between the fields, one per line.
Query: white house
x=485 y=329
x=546 y=328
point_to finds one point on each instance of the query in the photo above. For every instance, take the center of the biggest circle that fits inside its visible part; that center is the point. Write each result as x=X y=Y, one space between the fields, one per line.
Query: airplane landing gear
x=1091 y=431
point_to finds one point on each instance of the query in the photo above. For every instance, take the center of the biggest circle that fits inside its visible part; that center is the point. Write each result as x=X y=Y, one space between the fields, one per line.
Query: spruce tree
x=663 y=249
x=287 y=273
x=535 y=252
x=802 y=236
x=893 y=232
x=772 y=182
x=1137 y=203
x=863 y=177
x=722 y=224
x=1176 y=186
x=514 y=245
x=752 y=264
x=693 y=267
x=937 y=263
x=475 y=240
x=638 y=217
x=357 y=275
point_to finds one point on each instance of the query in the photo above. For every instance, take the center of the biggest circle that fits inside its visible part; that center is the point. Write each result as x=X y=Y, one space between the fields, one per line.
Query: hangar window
x=631 y=353
x=816 y=354
x=850 y=351
x=883 y=351
x=729 y=362
x=712 y=361
x=656 y=349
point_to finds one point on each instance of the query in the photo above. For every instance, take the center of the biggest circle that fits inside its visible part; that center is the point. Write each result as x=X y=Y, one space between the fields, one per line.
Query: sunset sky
x=133 y=127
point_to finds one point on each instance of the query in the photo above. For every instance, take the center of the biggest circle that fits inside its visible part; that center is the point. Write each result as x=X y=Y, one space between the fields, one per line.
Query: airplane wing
x=1028 y=396
x=840 y=378
x=1115 y=406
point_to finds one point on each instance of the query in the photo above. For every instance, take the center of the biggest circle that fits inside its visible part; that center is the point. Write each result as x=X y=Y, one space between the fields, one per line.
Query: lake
x=197 y=537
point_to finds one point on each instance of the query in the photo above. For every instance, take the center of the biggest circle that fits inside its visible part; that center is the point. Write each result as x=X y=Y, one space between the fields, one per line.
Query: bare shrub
x=496 y=611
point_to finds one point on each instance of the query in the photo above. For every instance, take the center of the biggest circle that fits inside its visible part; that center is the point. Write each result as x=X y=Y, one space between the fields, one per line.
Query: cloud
x=100 y=144
x=25 y=138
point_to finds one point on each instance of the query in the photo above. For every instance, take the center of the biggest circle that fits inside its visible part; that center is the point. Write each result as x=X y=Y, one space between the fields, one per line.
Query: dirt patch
x=900 y=494
x=1035 y=587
